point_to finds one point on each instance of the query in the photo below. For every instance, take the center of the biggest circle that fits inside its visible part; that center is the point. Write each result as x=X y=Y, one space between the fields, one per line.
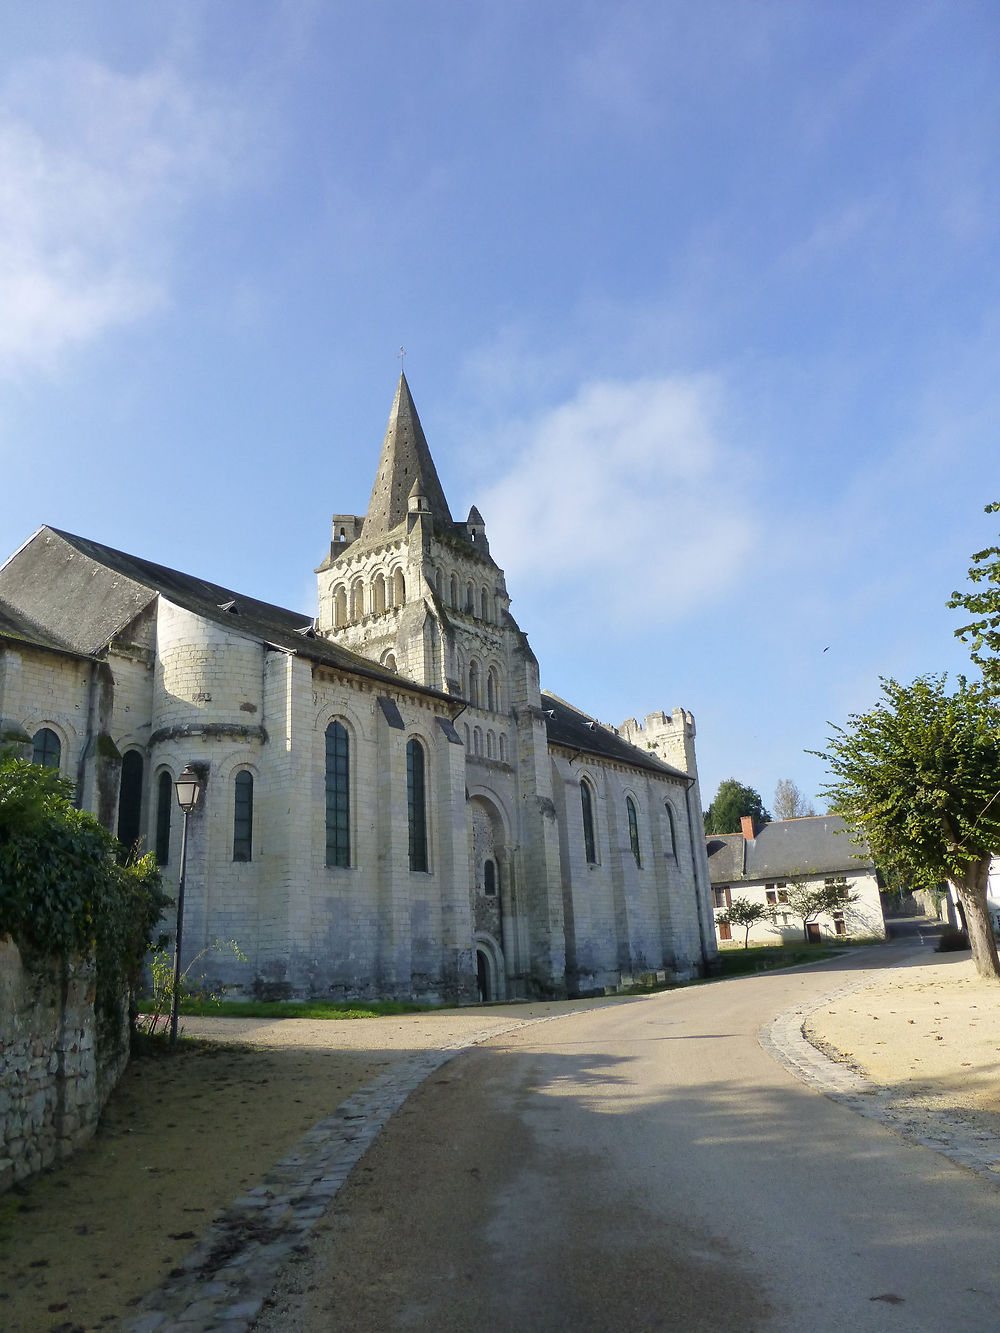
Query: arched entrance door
x=490 y=980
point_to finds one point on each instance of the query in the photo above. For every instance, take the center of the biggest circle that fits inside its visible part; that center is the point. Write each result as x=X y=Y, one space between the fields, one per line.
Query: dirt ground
x=182 y=1137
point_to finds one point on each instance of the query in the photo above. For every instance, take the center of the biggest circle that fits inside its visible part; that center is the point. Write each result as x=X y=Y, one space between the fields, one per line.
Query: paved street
x=649 y=1166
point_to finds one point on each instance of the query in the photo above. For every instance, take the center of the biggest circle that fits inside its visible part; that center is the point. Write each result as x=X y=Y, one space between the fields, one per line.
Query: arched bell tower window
x=453 y=591
x=474 y=683
x=339 y=607
x=398 y=588
x=378 y=595
x=493 y=690
x=416 y=805
x=587 y=805
x=470 y=598
x=338 y=795
x=357 y=600
x=633 y=829
x=484 y=604
x=46 y=748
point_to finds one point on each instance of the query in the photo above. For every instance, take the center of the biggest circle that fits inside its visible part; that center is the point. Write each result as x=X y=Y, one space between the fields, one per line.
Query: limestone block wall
x=54 y=1078
x=38 y=689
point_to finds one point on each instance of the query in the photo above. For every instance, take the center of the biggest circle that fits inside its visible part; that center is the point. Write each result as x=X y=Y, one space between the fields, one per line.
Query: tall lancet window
x=416 y=805
x=587 y=804
x=633 y=829
x=338 y=796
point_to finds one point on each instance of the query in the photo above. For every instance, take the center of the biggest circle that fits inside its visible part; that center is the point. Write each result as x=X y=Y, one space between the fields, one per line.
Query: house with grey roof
x=391 y=804
x=762 y=865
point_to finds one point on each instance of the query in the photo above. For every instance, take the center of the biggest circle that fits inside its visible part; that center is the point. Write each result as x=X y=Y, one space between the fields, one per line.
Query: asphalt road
x=648 y=1166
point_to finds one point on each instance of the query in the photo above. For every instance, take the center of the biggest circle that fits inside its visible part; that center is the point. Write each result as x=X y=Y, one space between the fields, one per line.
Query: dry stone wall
x=53 y=1079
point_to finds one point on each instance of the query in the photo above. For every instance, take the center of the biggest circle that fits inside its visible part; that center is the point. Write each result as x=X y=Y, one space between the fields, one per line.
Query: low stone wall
x=54 y=1075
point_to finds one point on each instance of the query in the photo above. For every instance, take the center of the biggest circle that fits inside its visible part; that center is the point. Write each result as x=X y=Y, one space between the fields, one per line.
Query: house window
x=338 y=796
x=725 y=930
x=633 y=829
x=164 y=803
x=672 y=830
x=771 y=895
x=490 y=879
x=416 y=805
x=46 y=748
x=721 y=897
x=243 y=817
x=130 y=802
x=589 y=841
x=839 y=923
x=782 y=893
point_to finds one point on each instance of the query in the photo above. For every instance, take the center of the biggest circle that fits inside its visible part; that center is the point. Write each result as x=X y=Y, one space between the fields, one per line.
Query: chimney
x=746 y=822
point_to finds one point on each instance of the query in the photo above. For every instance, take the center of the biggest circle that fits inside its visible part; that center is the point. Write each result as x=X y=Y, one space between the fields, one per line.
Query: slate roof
x=14 y=625
x=819 y=844
x=81 y=593
x=405 y=461
x=575 y=730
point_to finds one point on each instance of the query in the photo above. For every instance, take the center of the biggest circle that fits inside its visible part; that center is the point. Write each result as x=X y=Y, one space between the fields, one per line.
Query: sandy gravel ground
x=182 y=1137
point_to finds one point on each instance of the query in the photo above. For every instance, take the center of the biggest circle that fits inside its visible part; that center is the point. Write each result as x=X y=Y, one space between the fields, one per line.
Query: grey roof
x=81 y=594
x=575 y=730
x=15 y=625
x=405 y=462
x=819 y=844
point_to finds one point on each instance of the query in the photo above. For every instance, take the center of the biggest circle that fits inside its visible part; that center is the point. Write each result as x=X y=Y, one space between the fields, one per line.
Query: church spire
x=405 y=464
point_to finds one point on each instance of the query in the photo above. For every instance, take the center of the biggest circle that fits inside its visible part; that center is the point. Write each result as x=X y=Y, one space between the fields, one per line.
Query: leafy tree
x=919 y=777
x=983 y=602
x=62 y=890
x=743 y=913
x=732 y=802
x=789 y=803
x=809 y=902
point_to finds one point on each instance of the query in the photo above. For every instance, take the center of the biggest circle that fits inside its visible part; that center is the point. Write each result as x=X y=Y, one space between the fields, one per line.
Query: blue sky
x=700 y=303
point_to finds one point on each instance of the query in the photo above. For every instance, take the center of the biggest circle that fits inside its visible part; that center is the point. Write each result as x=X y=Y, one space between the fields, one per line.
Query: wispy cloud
x=626 y=498
x=96 y=167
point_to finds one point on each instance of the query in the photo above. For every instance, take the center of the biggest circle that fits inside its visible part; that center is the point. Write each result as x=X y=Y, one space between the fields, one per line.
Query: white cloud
x=625 y=498
x=95 y=169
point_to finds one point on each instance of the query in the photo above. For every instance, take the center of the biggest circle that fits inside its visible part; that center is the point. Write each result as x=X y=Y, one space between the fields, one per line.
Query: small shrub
x=952 y=941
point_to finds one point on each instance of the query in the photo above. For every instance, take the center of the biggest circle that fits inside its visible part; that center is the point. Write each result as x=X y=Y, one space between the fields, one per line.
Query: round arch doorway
x=490 y=978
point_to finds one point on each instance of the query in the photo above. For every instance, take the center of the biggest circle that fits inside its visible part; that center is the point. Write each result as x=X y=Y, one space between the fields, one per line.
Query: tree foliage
x=62 y=890
x=743 y=913
x=982 y=601
x=808 y=902
x=732 y=801
x=919 y=777
x=789 y=803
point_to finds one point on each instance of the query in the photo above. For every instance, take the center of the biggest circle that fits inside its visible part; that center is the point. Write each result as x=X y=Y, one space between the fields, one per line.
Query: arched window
x=130 y=801
x=164 y=804
x=490 y=878
x=503 y=748
x=468 y=738
x=672 y=830
x=243 y=817
x=398 y=588
x=589 y=841
x=633 y=829
x=484 y=604
x=389 y=662
x=493 y=690
x=438 y=583
x=416 y=805
x=357 y=600
x=491 y=745
x=338 y=796
x=46 y=748
x=453 y=591
x=474 y=683
x=339 y=607
x=378 y=595
x=470 y=598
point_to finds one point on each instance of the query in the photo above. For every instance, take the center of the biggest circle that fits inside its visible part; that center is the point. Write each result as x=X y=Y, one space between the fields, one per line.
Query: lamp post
x=188 y=789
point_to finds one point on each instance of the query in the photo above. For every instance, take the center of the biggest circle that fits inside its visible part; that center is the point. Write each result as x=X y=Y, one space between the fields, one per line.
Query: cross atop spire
x=405 y=460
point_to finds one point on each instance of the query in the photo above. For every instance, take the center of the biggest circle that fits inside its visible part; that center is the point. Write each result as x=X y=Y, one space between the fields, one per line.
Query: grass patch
x=297 y=1008
x=766 y=957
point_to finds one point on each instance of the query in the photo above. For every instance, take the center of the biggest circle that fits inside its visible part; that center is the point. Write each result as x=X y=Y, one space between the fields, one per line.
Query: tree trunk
x=971 y=890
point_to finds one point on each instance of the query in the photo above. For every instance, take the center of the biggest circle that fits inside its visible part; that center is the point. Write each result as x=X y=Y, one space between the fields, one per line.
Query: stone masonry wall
x=52 y=1085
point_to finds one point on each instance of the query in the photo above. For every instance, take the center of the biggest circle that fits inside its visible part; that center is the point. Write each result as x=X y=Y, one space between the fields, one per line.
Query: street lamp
x=188 y=789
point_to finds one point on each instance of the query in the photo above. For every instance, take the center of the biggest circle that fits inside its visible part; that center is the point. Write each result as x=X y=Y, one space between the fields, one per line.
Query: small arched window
x=438 y=578
x=587 y=805
x=339 y=607
x=243 y=817
x=490 y=878
x=477 y=741
x=671 y=830
x=484 y=604
x=357 y=600
x=491 y=745
x=633 y=829
x=493 y=690
x=46 y=748
x=453 y=591
x=468 y=738
x=378 y=594
x=474 y=683
x=130 y=802
x=398 y=588
x=338 y=796
x=164 y=804
x=470 y=598
x=416 y=805
x=390 y=662
x=503 y=748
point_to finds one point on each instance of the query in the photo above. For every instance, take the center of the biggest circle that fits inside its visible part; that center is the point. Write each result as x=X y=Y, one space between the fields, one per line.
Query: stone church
x=391 y=806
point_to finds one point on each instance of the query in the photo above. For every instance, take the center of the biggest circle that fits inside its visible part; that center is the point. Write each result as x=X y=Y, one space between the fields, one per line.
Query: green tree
x=732 y=802
x=982 y=634
x=743 y=913
x=919 y=777
x=789 y=803
x=808 y=903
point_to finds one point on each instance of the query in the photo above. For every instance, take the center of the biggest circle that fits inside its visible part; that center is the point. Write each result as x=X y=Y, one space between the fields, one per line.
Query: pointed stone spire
x=404 y=466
